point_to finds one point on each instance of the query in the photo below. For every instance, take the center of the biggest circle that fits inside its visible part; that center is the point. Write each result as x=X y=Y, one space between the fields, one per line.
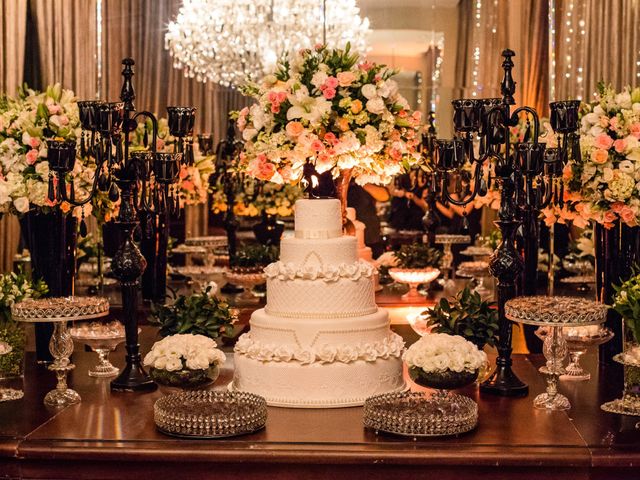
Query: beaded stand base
x=629 y=404
x=7 y=394
x=415 y=414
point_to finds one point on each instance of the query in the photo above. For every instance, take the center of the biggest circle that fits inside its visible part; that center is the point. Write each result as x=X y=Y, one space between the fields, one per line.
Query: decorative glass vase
x=185 y=378
x=51 y=239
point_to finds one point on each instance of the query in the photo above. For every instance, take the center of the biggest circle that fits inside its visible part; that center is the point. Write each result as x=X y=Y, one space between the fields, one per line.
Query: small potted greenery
x=246 y=267
x=467 y=315
x=14 y=288
x=201 y=313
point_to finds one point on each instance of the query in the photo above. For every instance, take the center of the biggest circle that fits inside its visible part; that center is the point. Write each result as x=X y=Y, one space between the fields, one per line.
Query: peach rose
x=294 y=129
x=343 y=124
x=620 y=145
x=329 y=93
x=32 y=156
x=609 y=217
x=356 y=107
x=634 y=129
x=346 y=78
x=603 y=141
x=599 y=156
x=34 y=142
x=628 y=216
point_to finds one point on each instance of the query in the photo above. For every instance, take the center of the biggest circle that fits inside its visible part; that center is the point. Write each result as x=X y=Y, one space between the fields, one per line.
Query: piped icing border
x=328 y=273
x=391 y=346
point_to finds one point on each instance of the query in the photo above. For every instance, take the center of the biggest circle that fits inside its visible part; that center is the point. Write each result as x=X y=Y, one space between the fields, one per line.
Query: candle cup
x=466 y=114
x=110 y=117
x=181 y=120
x=531 y=157
x=61 y=155
x=166 y=167
x=450 y=154
x=552 y=163
x=564 y=116
x=88 y=114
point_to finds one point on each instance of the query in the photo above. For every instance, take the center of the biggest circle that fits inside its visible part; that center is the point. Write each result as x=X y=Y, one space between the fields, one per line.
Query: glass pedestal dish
x=417 y=414
x=203 y=274
x=447 y=241
x=555 y=314
x=629 y=404
x=583 y=283
x=7 y=394
x=102 y=339
x=60 y=311
x=247 y=280
x=478 y=271
x=414 y=277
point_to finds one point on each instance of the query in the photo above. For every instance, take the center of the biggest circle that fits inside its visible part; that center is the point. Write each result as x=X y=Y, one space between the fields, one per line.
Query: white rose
x=327 y=354
x=318 y=79
x=376 y=106
x=305 y=356
x=21 y=204
x=369 y=91
x=347 y=354
x=248 y=134
x=626 y=166
x=282 y=354
x=173 y=364
x=635 y=108
x=624 y=99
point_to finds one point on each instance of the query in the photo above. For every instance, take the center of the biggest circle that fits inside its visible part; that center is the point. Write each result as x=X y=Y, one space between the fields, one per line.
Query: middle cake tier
x=320 y=290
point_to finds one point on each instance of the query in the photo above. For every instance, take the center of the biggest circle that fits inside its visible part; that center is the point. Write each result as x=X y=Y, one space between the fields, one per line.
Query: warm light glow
x=229 y=41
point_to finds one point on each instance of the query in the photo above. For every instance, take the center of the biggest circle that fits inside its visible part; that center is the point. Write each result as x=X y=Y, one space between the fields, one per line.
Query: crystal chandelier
x=230 y=41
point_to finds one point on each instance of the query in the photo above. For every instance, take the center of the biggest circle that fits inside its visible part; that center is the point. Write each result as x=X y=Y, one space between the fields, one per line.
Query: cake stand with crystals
x=7 y=394
x=60 y=311
x=554 y=313
x=447 y=241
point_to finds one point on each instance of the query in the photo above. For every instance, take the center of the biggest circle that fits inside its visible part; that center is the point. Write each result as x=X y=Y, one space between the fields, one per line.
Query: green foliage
x=418 y=255
x=255 y=256
x=492 y=240
x=199 y=314
x=466 y=315
x=627 y=303
x=13 y=333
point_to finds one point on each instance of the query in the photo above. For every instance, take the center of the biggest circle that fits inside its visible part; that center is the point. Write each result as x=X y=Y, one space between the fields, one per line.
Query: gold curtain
x=13 y=24
x=596 y=41
x=535 y=55
x=66 y=44
x=480 y=42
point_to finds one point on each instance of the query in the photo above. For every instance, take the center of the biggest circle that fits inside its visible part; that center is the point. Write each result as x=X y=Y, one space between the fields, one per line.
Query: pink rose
x=620 y=145
x=294 y=129
x=275 y=108
x=330 y=138
x=54 y=109
x=628 y=216
x=599 y=156
x=317 y=145
x=634 y=129
x=34 y=142
x=329 y=93
x=618 y=207
x=331 y=82
x=272 y=97
x=32 y=156
x=184 y=172
x=366 y=66
x=604 y=141
x=242 y=122
x=609 y=217
x=346 y=78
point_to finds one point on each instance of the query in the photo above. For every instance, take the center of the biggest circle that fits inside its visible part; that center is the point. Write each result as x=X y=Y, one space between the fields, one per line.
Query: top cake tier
x=318 y=218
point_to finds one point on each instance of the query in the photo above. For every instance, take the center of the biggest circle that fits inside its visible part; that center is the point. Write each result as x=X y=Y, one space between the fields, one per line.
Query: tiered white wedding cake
x=321 y=341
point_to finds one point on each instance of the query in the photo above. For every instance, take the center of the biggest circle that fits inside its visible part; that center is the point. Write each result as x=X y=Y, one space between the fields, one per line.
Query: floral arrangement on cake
x=27 y=121
x=604 y=186
x=201 y=313
x=327 y=107
x=184 y=360
x=251 y=201
x=439 y=352
x=627 y=304
x=194 y=179
x=14 y=288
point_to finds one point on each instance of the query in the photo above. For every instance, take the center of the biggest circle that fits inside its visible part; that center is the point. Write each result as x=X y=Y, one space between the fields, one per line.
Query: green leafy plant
x=466 y=315
x=418 y=255
x=627 y=303
x=492 y=240
x=255 y=256
x=200 y=314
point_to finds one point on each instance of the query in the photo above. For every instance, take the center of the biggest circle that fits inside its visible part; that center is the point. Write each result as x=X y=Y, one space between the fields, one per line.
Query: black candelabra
x=143 y=180
x=528 y=176
x=228 y=176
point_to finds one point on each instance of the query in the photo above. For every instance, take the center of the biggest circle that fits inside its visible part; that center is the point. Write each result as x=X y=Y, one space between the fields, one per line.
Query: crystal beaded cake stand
x=7 y=394
x=60 y=311
x=554 y=313
x=629 y=404
x=210 y=414
x=102 y=339
x=447 y=241
x=414 y=277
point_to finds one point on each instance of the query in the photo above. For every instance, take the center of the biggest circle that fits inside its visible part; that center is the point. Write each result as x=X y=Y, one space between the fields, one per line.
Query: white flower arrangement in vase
x=184 y=360
x=444 y=361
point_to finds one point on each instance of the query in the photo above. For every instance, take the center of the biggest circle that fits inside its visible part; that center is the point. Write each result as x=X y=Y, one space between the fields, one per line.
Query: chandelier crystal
x=231 y=41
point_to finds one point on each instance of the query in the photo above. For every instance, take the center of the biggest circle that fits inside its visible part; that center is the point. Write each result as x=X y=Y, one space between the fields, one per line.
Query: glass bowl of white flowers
x=437 y=361
x=184 y=361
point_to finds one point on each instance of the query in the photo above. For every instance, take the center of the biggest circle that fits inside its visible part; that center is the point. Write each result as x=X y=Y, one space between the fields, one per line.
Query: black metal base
x=231 y=289
x=133 y=378
x=504 y=382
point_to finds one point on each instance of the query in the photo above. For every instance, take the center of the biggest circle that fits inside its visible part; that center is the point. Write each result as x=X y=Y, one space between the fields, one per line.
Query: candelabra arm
x=477 y=179
x=536 y=120
x=92 y=192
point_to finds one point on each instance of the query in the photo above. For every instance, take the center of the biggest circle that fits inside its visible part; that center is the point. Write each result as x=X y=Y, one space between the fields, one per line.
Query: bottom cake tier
x=317 y=385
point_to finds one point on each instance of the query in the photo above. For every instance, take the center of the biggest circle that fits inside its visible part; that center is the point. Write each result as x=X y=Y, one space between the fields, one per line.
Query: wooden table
x=112 y=436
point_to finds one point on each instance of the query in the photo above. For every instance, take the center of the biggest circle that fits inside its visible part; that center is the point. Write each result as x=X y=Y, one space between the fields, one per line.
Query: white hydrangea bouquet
x=444 y=361
x=184 y=360
x=27 y=121
x=605 y=185
x=332 y=109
